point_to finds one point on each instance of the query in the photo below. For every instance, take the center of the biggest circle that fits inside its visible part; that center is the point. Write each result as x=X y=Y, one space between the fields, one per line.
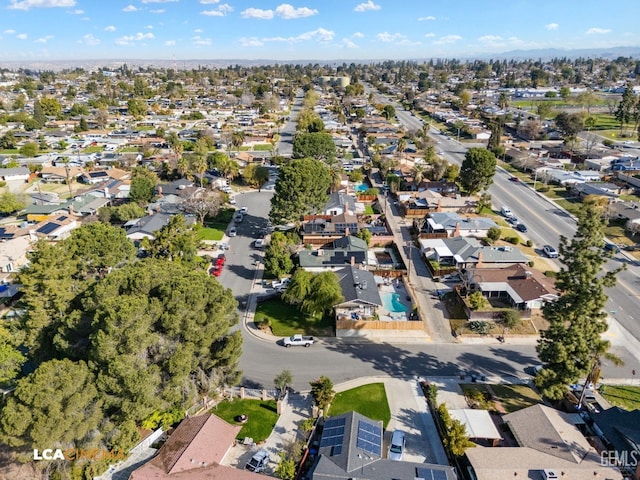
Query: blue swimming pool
x=361 y=187
x=391 y=302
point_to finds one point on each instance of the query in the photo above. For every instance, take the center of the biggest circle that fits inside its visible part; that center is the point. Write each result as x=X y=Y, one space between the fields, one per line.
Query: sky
x=307 y=29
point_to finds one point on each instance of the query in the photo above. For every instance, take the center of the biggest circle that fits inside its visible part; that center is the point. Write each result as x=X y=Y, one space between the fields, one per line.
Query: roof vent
x=320 y=252
x=363 y=285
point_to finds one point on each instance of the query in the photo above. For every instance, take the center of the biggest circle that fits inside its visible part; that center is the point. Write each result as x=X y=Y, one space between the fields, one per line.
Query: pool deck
x=395 y=287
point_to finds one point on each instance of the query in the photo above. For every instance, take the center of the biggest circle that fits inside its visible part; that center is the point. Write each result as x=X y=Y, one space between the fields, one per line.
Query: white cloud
x=169 y=43
x=551 y=26
x=159 y=1
x=369 y=5
x=596 y=30
x=424 y=19
x=396 y=38
x=358 y=35
x=130 y=8
x=89 y=39
x=9 y=32
x=110 y=28
x=349 y=43
x=76 y=12
x=288 y=12
x=251 y=42
x=28 y=4
x=429 y=35
x=131 y=39
x=209 y=2
x=44 y=39
x=212 y=13
x=225 y=8
x=447 y=39
x=492 y=40
x=199 y=41
x=197 y=30
x=257 y=13
x=22 y=36
x=319 y=34
x=159 y=10
x=149 y=27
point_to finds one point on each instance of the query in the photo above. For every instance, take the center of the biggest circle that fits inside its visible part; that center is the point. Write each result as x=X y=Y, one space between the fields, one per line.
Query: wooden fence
x=347 y=324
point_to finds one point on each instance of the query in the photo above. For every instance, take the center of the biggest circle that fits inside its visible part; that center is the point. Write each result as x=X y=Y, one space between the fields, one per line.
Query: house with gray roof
x=17 y=174
x=360 y=292
x=455 y=225
x=466 y=252
x=549 y=443
x=338 y=203
x=620 y=431
x=351 y=446
x=149 y=226
x=347 y=250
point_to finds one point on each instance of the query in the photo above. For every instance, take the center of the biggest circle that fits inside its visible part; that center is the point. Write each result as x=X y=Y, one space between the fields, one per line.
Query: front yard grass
x=287 y=320
x=368 y=210
x=477 y=396
x=261 y=417
x=368 y=400
x=515 y=397
x=627 y=397
x=262 y=147
x=205 y=233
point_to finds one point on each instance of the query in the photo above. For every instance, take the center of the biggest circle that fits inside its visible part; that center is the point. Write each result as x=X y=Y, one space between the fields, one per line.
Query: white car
x=233 y=231
x=244 y=210
x=259 y=243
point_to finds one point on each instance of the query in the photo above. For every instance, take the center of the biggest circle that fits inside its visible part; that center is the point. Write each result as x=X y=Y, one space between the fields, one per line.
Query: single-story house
x=360 y=292
x=549 y=442
x=59 y=174
x=195 y=451
x=601 y=189
x=329 y=226
x=55 y=228
x=466 y=252
x=629 y=211
x=347 y=250
x=456 y=226
x=17 y=174
x=97 y=176
x=522 y=287
x=13 y=254
x=339 y=203
x=351 y=447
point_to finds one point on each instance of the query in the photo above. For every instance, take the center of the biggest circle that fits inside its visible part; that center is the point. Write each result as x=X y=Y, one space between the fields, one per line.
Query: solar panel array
x=333 y=435
x=47 y=228
x=431 y=474
x=369 y=438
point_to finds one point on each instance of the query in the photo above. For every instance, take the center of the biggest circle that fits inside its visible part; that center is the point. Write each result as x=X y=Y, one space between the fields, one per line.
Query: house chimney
x=347 y=232
x=456 y=232
x=479 y=264
x=71 y=212
x=439 y=208
x=159 y=191
x=106 y=192
x=353 y=261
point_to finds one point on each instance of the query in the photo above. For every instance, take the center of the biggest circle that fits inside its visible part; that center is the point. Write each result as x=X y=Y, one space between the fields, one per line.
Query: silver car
x=396 y=449
x=258 y=462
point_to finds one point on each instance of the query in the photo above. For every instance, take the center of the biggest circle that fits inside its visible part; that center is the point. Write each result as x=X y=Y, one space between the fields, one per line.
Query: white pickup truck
x=297 y=340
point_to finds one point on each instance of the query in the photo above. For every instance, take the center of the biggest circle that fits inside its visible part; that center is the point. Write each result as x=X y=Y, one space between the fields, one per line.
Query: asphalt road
x=285 y=145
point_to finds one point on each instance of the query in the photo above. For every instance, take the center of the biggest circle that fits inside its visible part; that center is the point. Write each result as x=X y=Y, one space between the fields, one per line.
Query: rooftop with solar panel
x=351 y=446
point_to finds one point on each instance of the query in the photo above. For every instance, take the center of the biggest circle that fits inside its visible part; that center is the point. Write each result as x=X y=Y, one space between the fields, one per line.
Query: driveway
x=409 y=413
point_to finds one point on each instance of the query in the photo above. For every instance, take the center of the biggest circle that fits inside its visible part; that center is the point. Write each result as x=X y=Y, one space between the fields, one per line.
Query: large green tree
x=255 y=175
x=277 y=255
x=143 y=185
x=301 y=189
x=10 y=203
x=324 y=293
x=322 y=392
x=577 y=320
x=477 y=171
x=317 y=145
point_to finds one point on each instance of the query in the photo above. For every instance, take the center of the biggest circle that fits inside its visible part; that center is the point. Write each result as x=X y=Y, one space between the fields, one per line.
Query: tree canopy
x=573 y=342
x=315 y=145
x=301 y=189
x=143 y=185
x=477 y=171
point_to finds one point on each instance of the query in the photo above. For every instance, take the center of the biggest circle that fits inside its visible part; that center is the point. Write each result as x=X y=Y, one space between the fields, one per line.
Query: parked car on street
x=521 y=227
x=550 y=251
x=297 y=341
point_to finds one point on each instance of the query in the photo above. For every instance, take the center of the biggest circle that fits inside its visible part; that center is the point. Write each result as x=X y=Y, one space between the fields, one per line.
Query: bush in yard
x=607 y=142
x=307 y=425
x=513 y=240
x=511 y=318
x=529 y=243
x=494 y=234
x=478 y=327
x=477 y=301
x=286 y=468
x=322 y=392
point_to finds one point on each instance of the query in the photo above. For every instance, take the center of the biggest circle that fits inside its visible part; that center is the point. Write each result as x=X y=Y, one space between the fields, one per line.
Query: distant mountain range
x=93 y=64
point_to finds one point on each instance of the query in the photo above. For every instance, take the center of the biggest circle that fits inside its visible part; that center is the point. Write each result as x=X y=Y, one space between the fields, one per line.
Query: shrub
x=481 y=328
x=264 y=324
x=529 y=243
x=550 y=273
x=494 y=233
x=607 y=142
x=511 y=318
x=531 y=263
x=513 y=240
x=477 y=301
x=544 y=188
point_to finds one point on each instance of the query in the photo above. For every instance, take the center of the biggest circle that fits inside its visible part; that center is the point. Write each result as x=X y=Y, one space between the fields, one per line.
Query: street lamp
x=409 y=245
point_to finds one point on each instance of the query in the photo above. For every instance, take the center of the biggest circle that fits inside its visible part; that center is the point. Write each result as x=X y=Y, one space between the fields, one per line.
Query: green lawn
x=626 y=397
x=221 y=220
x=205 y=233
x=287 y=320
x=516 y=397
x=262 y=147
x=477 y=395
x=92 y=149
x=369 y=400
x=261 y=415
x=368 y=210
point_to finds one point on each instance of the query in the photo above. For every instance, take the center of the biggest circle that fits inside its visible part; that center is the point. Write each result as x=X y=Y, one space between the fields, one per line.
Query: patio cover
x=478 y=423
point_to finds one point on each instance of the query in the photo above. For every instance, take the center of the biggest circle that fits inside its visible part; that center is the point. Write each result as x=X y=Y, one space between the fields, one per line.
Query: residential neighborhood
x=455 y=249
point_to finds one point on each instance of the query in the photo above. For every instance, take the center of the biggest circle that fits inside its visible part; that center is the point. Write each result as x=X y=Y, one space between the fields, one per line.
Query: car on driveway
x=521 y=227
x=258 y=462
x=233 y=231
x=550 y=251
x=244 y=210
x=396 y=447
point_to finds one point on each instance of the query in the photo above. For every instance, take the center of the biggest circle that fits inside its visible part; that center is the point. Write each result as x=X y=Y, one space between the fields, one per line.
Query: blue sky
x=306 y=29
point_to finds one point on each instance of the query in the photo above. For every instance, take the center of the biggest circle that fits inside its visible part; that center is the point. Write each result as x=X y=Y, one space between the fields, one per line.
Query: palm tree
x=400 y=148
x=199 y=166
x=182 y=165
x=418 y=173
x=237 y=138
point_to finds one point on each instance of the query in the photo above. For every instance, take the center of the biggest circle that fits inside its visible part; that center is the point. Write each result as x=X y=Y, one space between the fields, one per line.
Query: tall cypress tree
x=38 y=114
x=573 y=342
